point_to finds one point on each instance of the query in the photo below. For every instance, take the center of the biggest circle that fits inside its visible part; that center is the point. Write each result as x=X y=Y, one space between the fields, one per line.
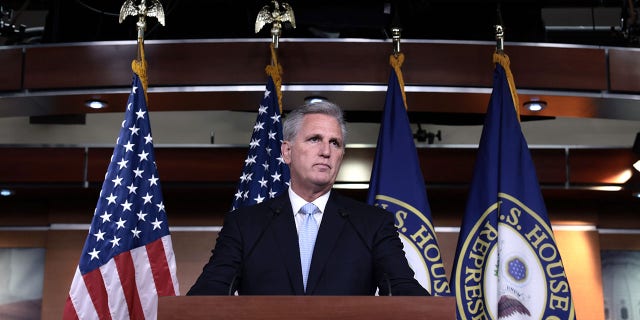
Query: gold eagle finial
x=277 y=17
x=129 y=8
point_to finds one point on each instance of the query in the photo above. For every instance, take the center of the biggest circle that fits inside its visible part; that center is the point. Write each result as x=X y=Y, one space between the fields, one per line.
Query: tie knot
x=309 y=208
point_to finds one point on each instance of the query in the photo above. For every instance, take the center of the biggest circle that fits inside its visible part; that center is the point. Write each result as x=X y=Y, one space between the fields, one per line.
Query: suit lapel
x=328 y=234
x=286 y=236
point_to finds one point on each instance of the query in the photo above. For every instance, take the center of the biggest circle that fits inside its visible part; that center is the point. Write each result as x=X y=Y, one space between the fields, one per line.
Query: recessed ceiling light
x=535 y=105
x=314 y=99
x=95 y=104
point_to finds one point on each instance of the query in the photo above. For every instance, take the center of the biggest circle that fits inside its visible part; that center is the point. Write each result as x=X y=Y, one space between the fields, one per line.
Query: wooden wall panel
x=63 y=250
x=79 y=66
x=193 y=250
x=588 y=166
x=447 y=166
x=313 y=62
x=334 y=62
x=445 y=64
x=200 y=164
x=22 y=239
x=11 y=75
x=550 y=165
x=620 y=241
x=41 y=165
x=224 y=164
x=580 y=251
x=624 y=70
x=98 y=163
x=554 y=67
x=181 y=164
x=207 y=63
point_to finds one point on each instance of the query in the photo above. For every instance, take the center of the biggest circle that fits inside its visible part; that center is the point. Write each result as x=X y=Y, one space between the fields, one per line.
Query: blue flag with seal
x=397 y=185
x=507 y=263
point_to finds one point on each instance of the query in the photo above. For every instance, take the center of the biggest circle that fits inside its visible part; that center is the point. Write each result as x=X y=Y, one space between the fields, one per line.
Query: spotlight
x=6 y=192
x=95 y=104
x=314 y=99
x=535 y=105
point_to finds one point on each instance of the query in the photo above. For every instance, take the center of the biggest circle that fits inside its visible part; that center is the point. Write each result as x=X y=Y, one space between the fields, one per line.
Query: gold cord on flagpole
x=139 y=66
x=502 y=59
x=277 y=17
x=142 y=11
x=396 y=60
x=275 y=71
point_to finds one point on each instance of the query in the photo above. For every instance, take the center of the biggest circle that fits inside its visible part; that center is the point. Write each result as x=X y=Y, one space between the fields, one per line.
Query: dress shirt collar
x=297 y=202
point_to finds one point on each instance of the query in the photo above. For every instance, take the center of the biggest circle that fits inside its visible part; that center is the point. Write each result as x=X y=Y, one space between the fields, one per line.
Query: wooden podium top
x=305 y=307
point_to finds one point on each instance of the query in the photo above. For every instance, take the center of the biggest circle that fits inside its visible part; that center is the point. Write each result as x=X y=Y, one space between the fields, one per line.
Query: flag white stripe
x=171 y=260
x=78 y=295
x=144 y=281
x=115 y=294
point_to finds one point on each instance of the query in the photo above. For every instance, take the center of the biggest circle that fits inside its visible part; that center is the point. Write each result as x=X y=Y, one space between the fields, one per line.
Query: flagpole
x=264 y=174
x=499 y=31
x=142 y=10
x=396 y=60
x=503 y=59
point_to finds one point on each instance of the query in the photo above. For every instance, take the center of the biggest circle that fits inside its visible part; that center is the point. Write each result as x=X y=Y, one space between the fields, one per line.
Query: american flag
x=127 y=260
x=264 y=174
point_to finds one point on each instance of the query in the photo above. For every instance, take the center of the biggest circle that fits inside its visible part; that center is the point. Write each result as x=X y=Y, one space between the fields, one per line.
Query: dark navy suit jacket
x=357 y=251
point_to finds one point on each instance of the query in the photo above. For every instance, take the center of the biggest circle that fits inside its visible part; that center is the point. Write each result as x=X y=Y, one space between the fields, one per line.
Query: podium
x=305 y=307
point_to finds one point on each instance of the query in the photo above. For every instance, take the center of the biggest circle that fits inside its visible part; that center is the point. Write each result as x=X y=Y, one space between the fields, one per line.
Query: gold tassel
x=504 y=61
x=396 y=61
x=275 y=71
x=139 y=66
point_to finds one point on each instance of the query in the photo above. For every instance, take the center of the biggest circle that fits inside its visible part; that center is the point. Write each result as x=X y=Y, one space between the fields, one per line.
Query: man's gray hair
x=293 y=121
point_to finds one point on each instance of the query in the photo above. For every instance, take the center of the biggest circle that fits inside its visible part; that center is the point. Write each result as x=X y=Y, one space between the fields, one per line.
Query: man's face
x=315 y=154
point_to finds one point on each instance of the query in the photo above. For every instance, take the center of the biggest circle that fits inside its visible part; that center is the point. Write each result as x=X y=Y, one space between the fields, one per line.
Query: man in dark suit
x=265 y=249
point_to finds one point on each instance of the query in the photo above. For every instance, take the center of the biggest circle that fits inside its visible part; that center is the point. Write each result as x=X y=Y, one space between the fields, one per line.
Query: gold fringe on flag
x=139 y=66
x=503 y=60
x=275 y=71
x=396 y=61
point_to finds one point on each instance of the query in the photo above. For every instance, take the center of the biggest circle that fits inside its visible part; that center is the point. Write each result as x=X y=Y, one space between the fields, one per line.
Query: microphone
x=345 y=214
x=237 y=276
x=232 y=285
x=385 y=277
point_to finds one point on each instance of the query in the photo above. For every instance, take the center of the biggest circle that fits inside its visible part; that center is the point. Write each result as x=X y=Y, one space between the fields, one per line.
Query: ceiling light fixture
x=315 y=99
x=95 y=104
x=535 y=105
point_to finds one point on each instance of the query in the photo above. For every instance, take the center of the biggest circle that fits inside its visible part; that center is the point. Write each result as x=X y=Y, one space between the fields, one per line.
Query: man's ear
x=285 y=149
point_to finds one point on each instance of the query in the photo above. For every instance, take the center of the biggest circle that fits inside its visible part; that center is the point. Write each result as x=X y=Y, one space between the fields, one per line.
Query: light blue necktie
x=307 y=239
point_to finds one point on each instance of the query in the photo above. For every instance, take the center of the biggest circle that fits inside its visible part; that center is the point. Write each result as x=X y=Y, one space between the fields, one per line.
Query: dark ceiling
x=604 y=23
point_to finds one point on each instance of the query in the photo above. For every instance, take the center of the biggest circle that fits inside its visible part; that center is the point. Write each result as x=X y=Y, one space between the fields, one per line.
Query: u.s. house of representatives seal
x=510 y=268
x=420 y=244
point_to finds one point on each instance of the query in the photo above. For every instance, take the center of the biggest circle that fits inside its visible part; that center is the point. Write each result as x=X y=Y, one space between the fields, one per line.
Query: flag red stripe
x=160 y=268
x=98 y=293
x=126 y=272
x=69 y=311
